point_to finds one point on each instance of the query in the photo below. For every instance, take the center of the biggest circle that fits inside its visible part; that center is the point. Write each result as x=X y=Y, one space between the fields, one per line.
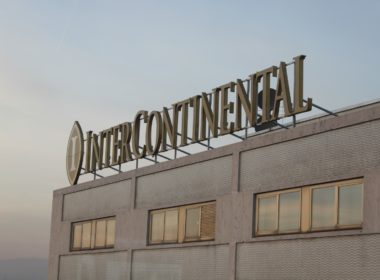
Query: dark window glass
x=157 y=230
x=337 y=205
x=323 y=207
x=208 y=217
x=351 y=205
x=181 y=224
x=290 y=211
x=110 y=241
x=193 y=217
x=267 y=214
x=171 y=225
x=100 y=237
x=86 y=235
x=77 y=236
x=94 y=234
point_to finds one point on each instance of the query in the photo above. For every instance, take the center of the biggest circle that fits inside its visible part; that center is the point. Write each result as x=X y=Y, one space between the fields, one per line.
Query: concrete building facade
x=319 y=151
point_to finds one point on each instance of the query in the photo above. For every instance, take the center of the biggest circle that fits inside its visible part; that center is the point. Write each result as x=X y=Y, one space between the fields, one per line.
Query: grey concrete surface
x=317 y=151
x=338 y=258
x=110 y=266
x=341 y=153
x=195 y=182
x=203 y=262
x=94 y=202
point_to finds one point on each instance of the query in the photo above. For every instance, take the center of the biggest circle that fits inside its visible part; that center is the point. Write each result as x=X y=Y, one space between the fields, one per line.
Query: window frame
x=337 y=185
x=105 y=234
x=199 y=225
x=151 y=213
x=93 y=223
x=336 y=205
x=182 y=217
x=72 y=237
x=277 y=194
x=91 y=230
x=114 y=235
x=340 y=226
x=299 y=191
x=306 y=208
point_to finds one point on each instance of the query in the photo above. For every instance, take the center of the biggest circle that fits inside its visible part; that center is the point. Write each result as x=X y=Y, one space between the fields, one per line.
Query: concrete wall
x=322 y=150
x=98 y=202
x=321 y=157
x=110 y=266
x=338 y=258
x=199 y=181
x=204 y=262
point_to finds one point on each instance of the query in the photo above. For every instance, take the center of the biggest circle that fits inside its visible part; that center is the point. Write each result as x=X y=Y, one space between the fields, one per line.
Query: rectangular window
x=323 y=207
x=171 y=226
x=157 y=227
x=289 y=211
x=193 y=223
x=164 y=226
x=182 y=224
x=350 y=207
x=110 y=238
x=93 y=234
x=100 y=234
x=86 y=235
x=77 y=237
x=329 y=206
x=278 y=212
x=208 y=221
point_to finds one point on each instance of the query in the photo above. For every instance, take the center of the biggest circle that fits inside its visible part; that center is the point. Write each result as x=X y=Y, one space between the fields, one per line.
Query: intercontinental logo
x=171 y=128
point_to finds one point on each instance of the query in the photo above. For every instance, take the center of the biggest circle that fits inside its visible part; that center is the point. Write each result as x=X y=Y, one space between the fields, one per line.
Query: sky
x=99 y=62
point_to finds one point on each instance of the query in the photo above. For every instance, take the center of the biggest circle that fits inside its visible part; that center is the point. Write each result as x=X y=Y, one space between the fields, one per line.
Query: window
x=164 y=226
x=323 y=207
x=337 y=205
x=194 y=222
x=93 y=234
x=350 y=208
x=279 y=212
x=329 y=206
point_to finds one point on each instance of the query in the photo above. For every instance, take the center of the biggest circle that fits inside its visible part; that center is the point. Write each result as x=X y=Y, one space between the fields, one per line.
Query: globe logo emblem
x=74 y=155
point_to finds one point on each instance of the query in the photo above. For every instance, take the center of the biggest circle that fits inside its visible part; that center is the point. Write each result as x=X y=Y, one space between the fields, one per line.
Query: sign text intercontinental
x=121 y=143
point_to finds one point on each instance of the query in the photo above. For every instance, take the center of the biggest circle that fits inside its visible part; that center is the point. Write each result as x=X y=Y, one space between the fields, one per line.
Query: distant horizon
x=25 y=268
x=17 y=259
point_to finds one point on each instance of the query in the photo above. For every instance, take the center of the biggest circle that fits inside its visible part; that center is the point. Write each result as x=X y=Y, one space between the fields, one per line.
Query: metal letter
x=250 y=108
x=88 y=151
x=194 y=103
x=225 y=107
x=96 y=153
x=102 y=137
x=298 y=87
x=152 y=150
x=282 y=93
x=183 y=106
x=116 y=145
x=136 y=134
x=126 y=135
x=265 y=74
x=169 y=128
x=207 y=113
x=107 y=158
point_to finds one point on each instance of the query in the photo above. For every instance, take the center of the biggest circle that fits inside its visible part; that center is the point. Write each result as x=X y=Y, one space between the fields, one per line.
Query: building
x=296 y=203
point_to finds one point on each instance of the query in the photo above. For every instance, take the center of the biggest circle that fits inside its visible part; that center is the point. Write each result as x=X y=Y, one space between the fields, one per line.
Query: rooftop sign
x=188 y=121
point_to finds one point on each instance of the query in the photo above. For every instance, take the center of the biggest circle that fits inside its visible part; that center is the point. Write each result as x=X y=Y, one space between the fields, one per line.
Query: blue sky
x=99 y=62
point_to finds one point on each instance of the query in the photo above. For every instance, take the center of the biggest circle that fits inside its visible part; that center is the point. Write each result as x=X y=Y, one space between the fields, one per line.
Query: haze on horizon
x=99 y=62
